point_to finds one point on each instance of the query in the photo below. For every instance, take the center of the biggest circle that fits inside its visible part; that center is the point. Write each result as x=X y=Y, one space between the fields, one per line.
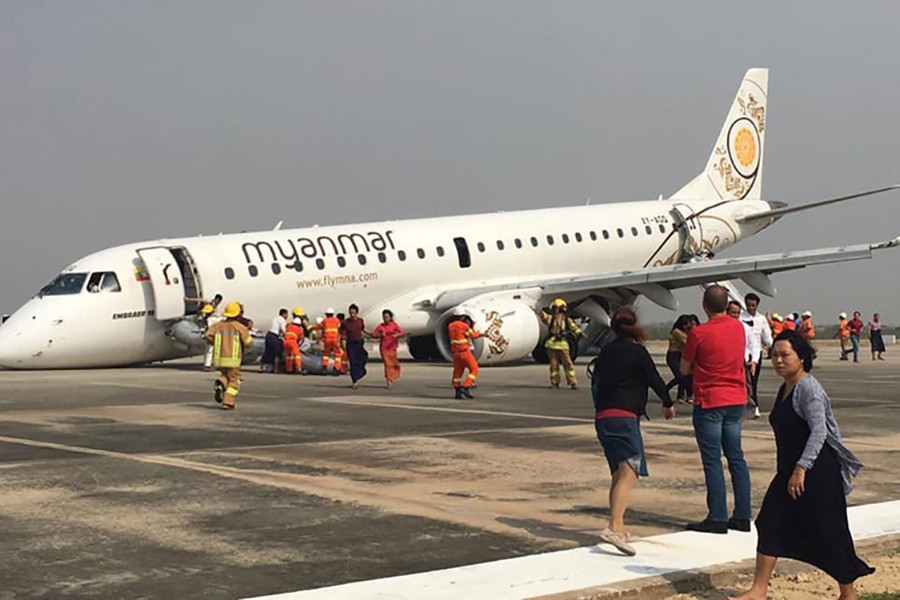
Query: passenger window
x=298 y=266
x=440 y=251
x=401 y=255
x=362 y=259
x=229 y=273
x=94 y=282
x=320 y=264
x=534 y=242
x=499 y=245
x=253 y=270
x=341 y=261
x=634 y=231
x=594 y=236
x=518 y=243
x=620 y=233
x=480 y=246
x=605 y=234
x=420 y=253
x=382 y=257
x=565 y=238
x=648 y=230
x=578 y=238
x=550 y=240
x=276 y=268
x=662 y=228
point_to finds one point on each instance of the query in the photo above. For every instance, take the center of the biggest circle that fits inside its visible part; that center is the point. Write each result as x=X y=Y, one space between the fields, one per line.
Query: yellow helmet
x=232 y=310
x=559 y=303
x=299 y=312
x=207 y=309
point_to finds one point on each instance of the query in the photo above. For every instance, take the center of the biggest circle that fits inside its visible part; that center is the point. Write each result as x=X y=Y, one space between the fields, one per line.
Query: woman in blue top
x=804 y=513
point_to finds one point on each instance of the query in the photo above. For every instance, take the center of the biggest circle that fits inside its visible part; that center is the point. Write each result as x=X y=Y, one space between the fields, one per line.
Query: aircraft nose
x=11 y=355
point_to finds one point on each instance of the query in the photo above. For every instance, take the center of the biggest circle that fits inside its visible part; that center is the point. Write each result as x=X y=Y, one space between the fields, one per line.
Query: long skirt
x=877 y=341
x=273 y=349
x=356 y=353
x=391 y=364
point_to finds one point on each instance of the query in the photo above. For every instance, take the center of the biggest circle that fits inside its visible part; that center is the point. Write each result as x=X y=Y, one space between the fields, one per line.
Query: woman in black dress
x=804 y=513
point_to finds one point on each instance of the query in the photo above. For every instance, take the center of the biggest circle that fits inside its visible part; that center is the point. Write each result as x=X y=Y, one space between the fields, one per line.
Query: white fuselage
x=393 y=264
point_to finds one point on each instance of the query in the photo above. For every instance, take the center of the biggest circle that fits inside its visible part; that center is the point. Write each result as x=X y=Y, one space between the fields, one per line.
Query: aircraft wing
x=656 y=283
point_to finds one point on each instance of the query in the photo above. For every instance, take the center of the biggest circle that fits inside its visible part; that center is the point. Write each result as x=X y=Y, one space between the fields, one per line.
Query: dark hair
x=353 y=307
x=694 y=319
x=681 y=322
x=218 y=297
x=715 y=299
x=340 y=316
x=283 y=311
x=800 y=345
x=751 y=296
x=624 y=324
x=387 y=311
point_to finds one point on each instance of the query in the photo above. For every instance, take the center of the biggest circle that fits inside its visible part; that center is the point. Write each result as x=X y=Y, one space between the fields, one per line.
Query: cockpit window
x=65 y=284
x=103 y=282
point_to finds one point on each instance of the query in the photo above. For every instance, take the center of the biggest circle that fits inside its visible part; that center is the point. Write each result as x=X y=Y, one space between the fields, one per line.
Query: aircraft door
x=166 y=280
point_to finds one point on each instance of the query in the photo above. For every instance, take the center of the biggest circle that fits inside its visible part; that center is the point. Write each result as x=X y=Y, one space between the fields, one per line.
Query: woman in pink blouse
x=389 y=334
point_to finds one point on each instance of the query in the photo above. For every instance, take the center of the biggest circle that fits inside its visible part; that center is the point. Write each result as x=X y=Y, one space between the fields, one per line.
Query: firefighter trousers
x=332 y=348
x=461 y=362
x=557 y=358
x=293 y=358
x=230 y=378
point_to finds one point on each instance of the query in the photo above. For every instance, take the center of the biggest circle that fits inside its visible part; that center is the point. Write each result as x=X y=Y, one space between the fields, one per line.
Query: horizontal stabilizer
x=779 y=212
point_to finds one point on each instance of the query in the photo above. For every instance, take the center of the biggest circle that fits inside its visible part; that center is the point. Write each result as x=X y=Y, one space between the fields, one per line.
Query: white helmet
x=329 y=311
x=806 y=313
x=842 y=316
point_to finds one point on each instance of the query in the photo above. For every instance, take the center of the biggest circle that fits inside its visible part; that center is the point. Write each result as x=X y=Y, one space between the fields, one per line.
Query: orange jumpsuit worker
x=777 y=325
x=293 y=337
x=331 y=341
x=789 y=324
x=460 y=333
x=807 y=327
x=228 y=338
x=341 y=353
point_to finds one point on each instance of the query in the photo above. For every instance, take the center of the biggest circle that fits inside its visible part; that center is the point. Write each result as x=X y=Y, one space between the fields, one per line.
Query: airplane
x=120 y=306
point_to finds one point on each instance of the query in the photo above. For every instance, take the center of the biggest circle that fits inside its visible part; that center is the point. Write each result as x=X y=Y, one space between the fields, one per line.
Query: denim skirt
x=621 y=440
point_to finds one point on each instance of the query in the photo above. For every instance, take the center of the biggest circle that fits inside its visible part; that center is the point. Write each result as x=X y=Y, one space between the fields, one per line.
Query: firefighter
x=790 y=322
x=229 y=338
x=777 y=325
x=558 y=322
x=340 y=355
x=331 y=341
x=461 y=333
x=807 y=327
x=293 y=336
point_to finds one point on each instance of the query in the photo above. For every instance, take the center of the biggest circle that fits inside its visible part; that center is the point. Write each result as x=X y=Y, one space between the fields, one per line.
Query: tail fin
x=734 y=170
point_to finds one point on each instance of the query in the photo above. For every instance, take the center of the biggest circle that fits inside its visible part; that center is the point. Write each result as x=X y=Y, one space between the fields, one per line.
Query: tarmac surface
x=132 y=483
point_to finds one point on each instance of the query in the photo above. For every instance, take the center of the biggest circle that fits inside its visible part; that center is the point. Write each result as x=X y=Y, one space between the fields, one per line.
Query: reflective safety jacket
x=558 y=325
x=294 y=333
x=228 y=339
x=844 y=329
x=808 y=329
x=777 y=328
x=789 y=325
x=460 y=335
x=330 y=327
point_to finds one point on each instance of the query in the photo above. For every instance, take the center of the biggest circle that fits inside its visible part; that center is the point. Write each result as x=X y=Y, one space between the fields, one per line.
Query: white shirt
x=762 y=333
x=279 y=324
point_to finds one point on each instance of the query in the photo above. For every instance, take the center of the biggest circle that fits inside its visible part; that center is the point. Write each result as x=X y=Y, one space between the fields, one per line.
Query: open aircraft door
x=165 y=277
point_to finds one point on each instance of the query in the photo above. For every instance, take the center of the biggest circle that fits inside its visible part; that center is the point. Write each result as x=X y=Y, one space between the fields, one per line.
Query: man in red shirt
x=856 y=326
x=714 y=355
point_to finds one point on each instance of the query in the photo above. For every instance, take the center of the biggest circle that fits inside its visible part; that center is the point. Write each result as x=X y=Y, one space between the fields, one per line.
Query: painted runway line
x=588 y=567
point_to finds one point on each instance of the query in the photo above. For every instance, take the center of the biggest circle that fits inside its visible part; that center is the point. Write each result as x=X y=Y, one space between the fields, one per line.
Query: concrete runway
x=132 y=483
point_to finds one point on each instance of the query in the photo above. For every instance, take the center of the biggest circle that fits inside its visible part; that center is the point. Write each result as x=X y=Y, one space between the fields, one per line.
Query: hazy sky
x=124 y=121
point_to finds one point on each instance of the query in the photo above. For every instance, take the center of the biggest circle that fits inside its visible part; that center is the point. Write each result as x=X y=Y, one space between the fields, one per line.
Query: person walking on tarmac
x=331 y=341
x=461 y=333
x=843 y=332
x=807 y=328
x=229 y=338
x=293 y=336
x=560 y=324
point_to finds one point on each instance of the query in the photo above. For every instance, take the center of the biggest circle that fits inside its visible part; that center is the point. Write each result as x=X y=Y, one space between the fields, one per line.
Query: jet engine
x=510 y=329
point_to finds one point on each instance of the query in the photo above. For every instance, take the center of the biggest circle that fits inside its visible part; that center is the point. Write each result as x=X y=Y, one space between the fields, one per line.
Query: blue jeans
x=854 y=341
x=719 y=430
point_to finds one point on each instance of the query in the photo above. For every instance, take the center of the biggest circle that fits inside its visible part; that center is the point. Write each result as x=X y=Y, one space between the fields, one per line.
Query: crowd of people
x=804 y=512
x=715 y=366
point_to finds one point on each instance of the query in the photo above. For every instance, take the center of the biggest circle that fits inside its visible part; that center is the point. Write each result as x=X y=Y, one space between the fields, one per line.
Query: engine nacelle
x=510 y=329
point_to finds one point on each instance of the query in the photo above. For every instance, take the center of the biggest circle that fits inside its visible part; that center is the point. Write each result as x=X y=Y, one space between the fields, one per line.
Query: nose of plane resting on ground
x=21 y=339
x=11 y=354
